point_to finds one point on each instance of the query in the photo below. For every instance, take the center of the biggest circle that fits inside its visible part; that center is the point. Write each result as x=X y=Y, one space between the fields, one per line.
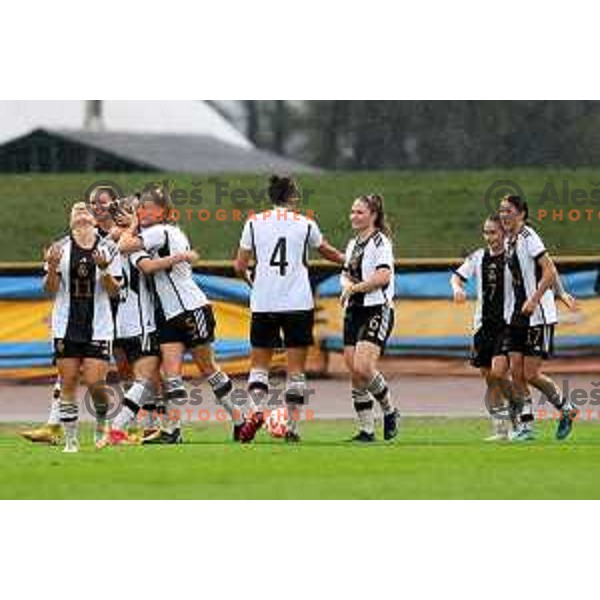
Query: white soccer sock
x=295 y=395
x=379 y=390
x=364 y=410
x=499 y=426
x=136 y=395
x=221 y=386
x=54 y=416
x=174 y=390
x=258 y=389
x=69 y=417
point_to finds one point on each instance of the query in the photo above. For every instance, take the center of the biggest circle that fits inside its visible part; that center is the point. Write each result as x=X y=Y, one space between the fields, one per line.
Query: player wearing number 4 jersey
x=281 y=301
x=367 y=296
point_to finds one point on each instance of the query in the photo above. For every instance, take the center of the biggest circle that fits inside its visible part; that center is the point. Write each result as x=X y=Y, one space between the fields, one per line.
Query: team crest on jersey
x=82 y=269
x=60 y=346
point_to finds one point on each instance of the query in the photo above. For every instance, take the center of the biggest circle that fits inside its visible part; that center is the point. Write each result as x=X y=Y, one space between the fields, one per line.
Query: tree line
x=372 y=134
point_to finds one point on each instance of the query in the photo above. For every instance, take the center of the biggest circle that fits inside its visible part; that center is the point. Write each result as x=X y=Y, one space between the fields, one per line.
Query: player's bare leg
x=141 y=390
x=295 y=392
x=363 y=403
x=498 y=394
x=521 y=405
x=535 y=377
x=68 y=369
x=219 y=382
x=174 y=392
x=149 y=415
x=94 y=373
x=258 y=390
x=368 y=384
x=51 y=432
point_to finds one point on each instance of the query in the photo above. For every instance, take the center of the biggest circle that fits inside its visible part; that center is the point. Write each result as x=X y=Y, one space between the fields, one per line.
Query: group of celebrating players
x=123 y=284
x=515 y=318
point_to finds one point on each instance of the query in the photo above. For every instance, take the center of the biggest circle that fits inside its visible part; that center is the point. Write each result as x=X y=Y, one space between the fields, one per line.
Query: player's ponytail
x=282 y=189
x=375 y=204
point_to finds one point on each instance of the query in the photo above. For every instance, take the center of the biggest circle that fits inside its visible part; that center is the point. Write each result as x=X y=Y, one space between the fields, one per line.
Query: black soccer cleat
x=363 y=437
x=565 y=423
x=390 y=425
x=237 y=429
x=164 y=437
x=292 y=438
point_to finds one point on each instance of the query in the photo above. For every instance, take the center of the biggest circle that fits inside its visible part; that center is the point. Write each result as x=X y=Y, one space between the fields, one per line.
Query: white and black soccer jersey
x=280 y=242
x=493 y=285
x=363 y=258
x=175 y=288
x=135 y=313
x=82 y=311
x=522 y=255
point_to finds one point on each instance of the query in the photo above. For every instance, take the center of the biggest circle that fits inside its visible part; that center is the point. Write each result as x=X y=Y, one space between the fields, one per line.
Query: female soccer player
x=82 y=272
x=281 y=301
x=185 y=318
x=487 y=265
x=533 y=317
x=368 y=296
x=136 y=336
x=102 y=203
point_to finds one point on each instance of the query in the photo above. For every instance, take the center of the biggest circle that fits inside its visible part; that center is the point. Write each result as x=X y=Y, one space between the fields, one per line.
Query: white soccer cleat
x=524 y=433
x=501 y=431
x=71 y=447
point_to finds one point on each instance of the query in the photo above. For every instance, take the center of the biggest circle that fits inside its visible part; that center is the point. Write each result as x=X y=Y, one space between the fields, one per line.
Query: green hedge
x=433 y=213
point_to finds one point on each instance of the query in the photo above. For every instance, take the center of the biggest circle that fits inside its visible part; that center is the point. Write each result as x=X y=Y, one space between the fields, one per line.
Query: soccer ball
x=277 y=423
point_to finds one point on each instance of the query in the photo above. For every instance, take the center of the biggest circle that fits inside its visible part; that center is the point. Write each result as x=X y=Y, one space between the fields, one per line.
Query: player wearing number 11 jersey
x=281 y=301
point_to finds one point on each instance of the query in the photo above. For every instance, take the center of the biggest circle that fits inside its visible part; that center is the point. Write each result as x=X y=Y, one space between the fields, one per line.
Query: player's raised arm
x=109 y=271
x=329 y=252
x=52 y=278
x=148 y=265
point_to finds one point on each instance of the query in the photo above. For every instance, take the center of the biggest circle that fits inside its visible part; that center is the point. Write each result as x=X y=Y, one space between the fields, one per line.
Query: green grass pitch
x=433 y=458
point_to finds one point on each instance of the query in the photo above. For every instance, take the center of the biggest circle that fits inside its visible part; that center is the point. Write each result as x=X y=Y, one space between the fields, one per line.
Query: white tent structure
x=174 y=117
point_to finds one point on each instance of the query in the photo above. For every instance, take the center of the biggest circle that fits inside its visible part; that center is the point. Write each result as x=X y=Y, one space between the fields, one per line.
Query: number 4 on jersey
x=279 y=256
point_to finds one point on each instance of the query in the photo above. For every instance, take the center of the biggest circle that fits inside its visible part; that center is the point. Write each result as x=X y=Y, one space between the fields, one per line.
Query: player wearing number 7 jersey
x=281 y=301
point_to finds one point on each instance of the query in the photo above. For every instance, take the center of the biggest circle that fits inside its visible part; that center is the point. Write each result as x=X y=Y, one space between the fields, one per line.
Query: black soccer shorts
x=138 y=346
x=369 y=324
x=487 y=343
x=99 y=349
x=191 y=328
x=291 y=329
x=535 y=340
